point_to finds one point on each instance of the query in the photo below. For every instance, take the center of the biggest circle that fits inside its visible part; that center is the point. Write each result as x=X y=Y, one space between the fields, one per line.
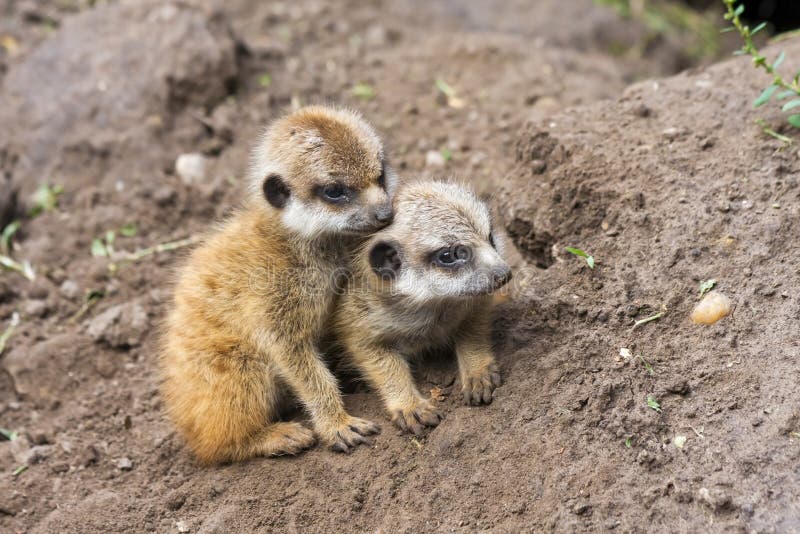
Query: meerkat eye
x=333 y=193
x=452 y=256
x=491 y=240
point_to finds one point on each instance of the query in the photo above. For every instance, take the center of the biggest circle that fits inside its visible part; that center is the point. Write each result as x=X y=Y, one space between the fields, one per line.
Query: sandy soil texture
x=666 y=181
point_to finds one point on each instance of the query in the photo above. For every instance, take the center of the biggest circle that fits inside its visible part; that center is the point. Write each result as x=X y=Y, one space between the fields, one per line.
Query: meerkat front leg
x=309 y=377
x=479 y=372
x=389 y=373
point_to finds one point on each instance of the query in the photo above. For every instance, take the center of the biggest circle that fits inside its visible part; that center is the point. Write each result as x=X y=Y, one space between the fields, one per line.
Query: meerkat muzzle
x=501 y=275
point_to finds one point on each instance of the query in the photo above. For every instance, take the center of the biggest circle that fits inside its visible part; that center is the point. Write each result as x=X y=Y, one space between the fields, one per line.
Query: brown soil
x=666 y=182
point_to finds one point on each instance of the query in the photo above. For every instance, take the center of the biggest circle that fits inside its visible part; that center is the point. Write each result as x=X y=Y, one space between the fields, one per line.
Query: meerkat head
x=440 y=246
x=325 y=170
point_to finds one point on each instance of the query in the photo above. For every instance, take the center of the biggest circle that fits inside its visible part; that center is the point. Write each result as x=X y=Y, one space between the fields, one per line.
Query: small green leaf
x=265 y=80
x=445 y=88
x=653 y=403
x=19 y=470
x=8 y=232
x=791 y=105
x=739 y=10
x=758 y=28
x=578 y=252
x=785 y=94
x=446 y=154
x=794 y=120
x=129 y=229
x=363 y=90
x=727 y=30
x=629 y=442
x=10 y=435
x=779 y=60
x=98 y=248
x=45 y=198
x=111 y=236
x=706 y=286
x=765 y=96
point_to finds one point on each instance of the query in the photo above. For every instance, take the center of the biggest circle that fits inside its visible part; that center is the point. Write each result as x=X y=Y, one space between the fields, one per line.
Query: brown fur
x=251 y=302
x=381 y=323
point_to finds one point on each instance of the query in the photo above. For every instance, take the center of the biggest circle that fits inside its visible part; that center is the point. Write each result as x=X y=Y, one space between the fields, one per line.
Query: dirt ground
x=667 y=183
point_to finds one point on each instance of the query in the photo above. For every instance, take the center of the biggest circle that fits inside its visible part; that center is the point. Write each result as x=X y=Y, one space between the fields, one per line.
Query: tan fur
x=252 y=300
x=382 y=323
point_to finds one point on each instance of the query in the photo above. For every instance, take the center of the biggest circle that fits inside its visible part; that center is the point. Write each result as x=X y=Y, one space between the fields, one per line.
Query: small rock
x=70 y=289
x=60 y=467
x=39 y=438
x=679 y=387
x=38 y=454
x=434 y=158
x=165 y=196
x=182 y=526
x=120 y=326
x=176 y=500
x=124 y=464
x=714 y=498
x=631 y=310
x=35 y=308
x=191 y=168
x=582 y=508
x=89 y=456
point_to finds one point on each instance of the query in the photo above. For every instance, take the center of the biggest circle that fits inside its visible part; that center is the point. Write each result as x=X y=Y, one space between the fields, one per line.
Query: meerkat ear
x=385 y=260
x=275 y=191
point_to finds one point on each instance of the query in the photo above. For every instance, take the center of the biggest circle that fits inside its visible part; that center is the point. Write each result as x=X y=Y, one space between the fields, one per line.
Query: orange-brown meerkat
x=252 y=301
x=425 y=282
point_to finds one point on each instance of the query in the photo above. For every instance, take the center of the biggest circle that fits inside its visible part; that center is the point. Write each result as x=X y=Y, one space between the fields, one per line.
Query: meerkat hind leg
x=279 y=439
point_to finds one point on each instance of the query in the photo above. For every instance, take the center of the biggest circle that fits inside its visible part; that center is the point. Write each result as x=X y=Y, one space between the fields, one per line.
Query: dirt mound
x=671 y=185
x=104 y=101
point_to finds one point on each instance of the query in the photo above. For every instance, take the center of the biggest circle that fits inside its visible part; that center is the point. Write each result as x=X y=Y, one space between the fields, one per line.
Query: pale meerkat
x=425 y=282
x=251 y=302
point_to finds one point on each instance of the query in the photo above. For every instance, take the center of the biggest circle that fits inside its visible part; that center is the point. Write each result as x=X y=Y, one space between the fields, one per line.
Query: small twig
x=24 y=268
x=640 y=322
x=149 y=251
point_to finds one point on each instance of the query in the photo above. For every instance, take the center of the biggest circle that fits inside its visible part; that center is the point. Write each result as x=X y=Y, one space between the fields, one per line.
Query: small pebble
x=434 y=158
x=124 y=464
x=191 y=168
x=712 y=308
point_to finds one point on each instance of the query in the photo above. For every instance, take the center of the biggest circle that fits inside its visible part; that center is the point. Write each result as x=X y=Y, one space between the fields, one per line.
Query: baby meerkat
x=424 y=282
x=252 y=301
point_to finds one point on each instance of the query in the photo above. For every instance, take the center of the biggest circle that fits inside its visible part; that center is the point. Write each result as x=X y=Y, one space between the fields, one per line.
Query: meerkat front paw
x=351 y=433
x=477 y=386
x=416 y=417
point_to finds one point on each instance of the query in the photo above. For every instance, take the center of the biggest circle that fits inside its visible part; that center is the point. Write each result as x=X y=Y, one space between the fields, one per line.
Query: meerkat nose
x=501 y=275
x=383 y=214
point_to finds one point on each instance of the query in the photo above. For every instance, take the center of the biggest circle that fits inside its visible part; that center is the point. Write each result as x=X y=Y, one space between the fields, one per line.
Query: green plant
x=45 y=198
x=653 y=404
x=9 y=435
x=363 y=90
x=789 y=88
x=696 y=31
x=578 y=252
x=707 y=285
